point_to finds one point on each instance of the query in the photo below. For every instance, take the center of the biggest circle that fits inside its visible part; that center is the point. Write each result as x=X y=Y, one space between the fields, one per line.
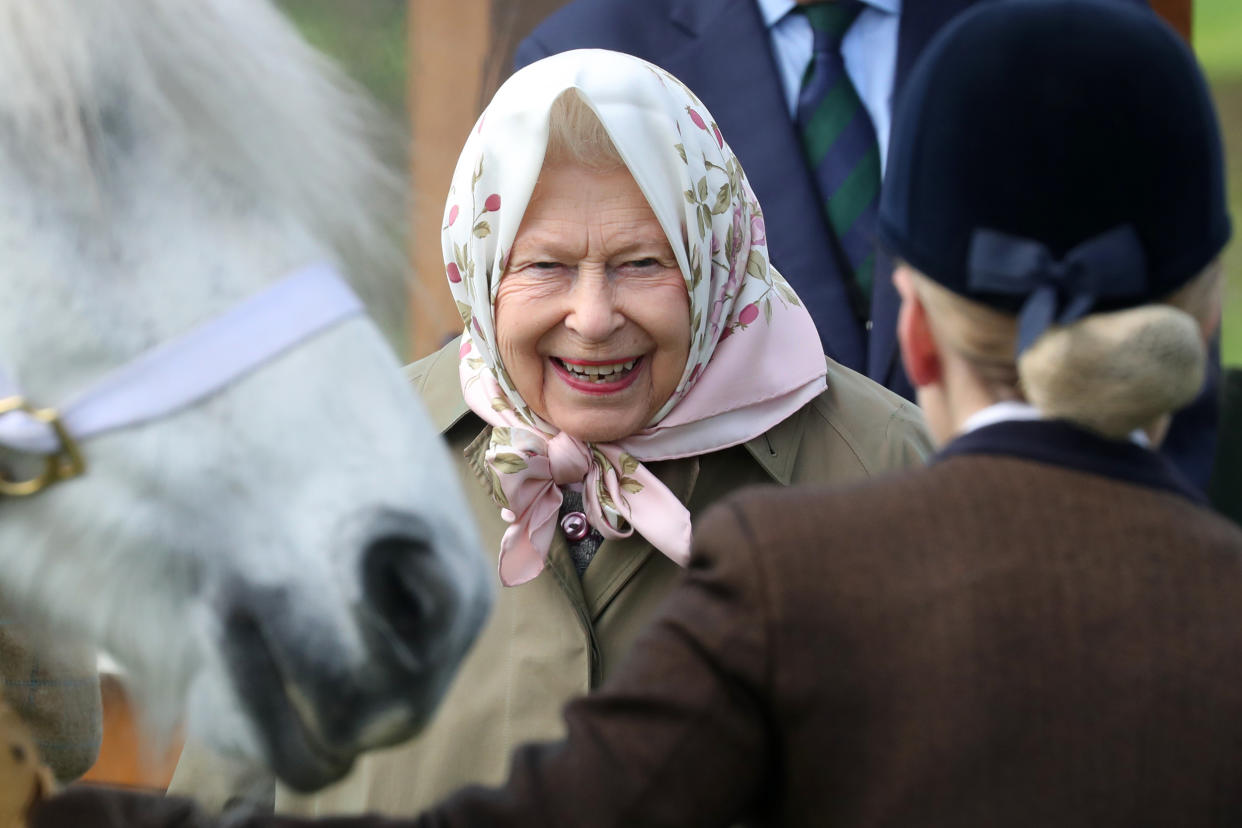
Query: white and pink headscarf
x=755 y=356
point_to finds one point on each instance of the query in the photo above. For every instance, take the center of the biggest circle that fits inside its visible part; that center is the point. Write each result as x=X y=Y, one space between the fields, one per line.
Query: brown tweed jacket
x=995 y=640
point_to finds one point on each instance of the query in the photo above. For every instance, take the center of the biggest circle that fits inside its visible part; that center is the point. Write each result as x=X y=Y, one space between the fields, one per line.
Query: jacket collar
x=1058 y=443
x=776 y=449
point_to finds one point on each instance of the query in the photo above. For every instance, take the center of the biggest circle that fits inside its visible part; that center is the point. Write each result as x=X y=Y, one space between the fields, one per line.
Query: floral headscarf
x=755 y=356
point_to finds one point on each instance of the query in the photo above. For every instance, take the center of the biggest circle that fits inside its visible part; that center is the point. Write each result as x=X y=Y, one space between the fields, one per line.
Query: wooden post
x=460 y=53
x=448 y=40
x=127 y=758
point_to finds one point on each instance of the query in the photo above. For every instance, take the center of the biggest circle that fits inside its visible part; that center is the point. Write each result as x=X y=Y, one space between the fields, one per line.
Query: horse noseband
x=173 y=376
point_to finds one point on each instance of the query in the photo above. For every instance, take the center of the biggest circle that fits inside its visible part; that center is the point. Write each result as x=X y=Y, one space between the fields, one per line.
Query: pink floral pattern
x=772 y=363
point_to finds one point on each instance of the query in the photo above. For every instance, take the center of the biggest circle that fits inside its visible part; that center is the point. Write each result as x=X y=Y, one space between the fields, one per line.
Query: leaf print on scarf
x=628 y=467
x=507 y=462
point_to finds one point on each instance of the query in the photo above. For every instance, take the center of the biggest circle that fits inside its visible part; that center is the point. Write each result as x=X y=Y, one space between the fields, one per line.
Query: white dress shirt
x=869 y=51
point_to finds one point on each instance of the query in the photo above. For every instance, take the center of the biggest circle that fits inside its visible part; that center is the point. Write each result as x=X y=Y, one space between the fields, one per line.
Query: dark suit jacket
x=1042 y=628
x=720 y=49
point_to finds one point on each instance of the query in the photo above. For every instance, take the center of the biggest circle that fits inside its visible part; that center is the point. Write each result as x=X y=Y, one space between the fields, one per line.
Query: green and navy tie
x=840 y=145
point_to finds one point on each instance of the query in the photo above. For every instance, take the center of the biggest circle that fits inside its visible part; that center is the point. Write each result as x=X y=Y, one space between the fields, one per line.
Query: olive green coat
x=559 y=635
x=54 y=687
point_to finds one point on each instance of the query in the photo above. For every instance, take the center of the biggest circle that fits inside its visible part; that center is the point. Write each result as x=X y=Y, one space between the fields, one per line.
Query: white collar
x=1011 y=410
x=998 y=413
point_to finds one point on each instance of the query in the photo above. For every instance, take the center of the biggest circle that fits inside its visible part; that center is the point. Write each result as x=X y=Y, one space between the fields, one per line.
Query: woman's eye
x=648 y=262
x=546 y=265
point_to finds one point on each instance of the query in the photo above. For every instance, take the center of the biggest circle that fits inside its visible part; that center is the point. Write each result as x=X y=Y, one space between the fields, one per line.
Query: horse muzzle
x=316 y=703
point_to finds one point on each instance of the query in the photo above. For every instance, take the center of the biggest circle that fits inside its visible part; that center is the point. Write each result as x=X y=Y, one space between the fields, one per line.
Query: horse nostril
x=396 y=575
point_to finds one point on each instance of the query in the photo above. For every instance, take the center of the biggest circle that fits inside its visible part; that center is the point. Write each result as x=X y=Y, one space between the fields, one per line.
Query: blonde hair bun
x=1116 y=372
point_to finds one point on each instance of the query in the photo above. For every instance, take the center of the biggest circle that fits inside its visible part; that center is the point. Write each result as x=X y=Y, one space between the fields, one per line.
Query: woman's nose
x=593 y=313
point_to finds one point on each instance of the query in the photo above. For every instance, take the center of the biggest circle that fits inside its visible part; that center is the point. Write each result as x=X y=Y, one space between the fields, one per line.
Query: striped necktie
x=839 y=142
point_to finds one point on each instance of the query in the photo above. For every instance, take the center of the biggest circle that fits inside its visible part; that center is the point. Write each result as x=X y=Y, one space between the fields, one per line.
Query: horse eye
x=19 y=753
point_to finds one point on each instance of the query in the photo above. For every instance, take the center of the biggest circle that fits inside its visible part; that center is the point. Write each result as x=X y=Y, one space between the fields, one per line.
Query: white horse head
x=291 y=557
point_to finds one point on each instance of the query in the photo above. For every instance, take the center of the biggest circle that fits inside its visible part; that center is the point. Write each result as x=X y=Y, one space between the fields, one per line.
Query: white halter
x=176 y=374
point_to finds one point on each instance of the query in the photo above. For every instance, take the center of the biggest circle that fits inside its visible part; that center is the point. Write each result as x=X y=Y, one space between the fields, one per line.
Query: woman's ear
x=919 y=352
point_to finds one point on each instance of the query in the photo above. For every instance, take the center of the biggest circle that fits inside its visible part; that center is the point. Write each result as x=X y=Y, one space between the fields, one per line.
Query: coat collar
x=776 y=449
x=1058 y=443
x=435 y=379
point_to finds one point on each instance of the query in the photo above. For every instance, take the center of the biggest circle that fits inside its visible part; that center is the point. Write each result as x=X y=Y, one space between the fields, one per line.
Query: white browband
x=194 y=366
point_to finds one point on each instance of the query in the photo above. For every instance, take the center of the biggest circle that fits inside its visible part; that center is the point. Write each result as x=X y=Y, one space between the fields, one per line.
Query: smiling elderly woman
x=629 y=358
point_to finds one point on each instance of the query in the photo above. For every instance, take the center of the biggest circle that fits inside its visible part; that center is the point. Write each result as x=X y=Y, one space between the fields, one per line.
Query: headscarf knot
x=570 y=459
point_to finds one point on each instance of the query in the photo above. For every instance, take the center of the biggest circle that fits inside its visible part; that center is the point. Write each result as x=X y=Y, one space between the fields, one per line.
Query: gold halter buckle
x=63 y=464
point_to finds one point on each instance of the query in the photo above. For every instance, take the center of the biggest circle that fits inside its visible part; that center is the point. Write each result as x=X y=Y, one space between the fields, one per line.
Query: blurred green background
x=368 y=37
x=1218 y=42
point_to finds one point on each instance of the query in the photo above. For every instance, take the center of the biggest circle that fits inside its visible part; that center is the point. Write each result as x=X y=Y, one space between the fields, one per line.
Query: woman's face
x=592 y=314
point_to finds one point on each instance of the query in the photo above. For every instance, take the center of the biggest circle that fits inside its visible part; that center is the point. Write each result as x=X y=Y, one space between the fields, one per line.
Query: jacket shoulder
x=970 y=512
x=639 y=27
x=859 y=422
x=435 y=379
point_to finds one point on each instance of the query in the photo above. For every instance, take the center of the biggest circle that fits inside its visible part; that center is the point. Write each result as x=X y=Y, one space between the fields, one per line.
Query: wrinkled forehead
x=639 y=105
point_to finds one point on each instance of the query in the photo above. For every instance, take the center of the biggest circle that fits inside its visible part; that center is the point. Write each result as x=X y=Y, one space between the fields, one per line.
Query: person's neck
x=964 y=396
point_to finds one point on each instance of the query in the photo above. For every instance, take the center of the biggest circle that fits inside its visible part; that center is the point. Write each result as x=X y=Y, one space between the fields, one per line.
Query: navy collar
x=1058 y=443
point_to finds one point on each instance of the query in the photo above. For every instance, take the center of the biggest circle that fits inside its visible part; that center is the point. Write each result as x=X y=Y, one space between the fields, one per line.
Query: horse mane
x=232 y=83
